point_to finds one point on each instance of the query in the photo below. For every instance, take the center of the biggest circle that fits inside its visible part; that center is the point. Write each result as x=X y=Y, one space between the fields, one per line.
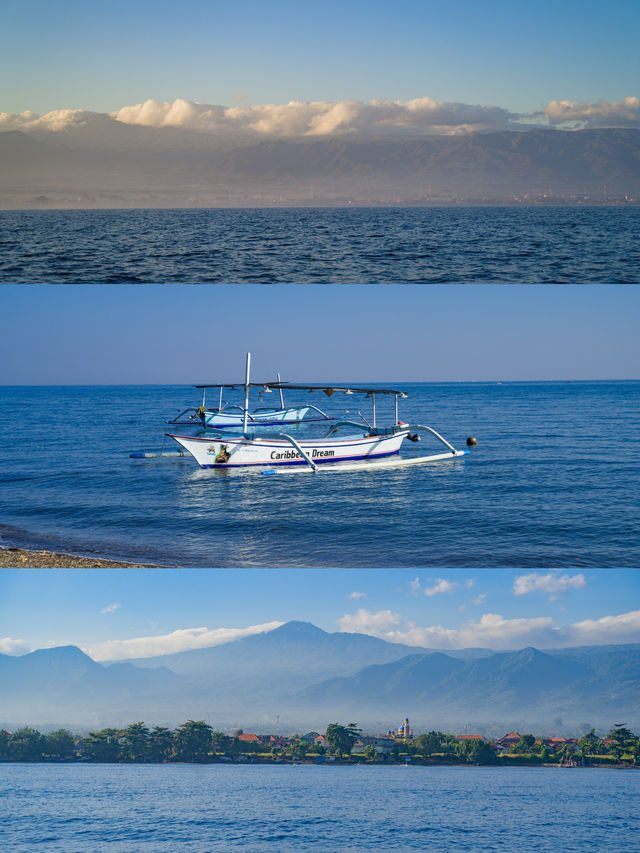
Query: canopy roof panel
x=329 y=390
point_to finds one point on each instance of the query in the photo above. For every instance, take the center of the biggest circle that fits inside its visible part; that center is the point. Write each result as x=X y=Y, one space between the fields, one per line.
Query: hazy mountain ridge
x=292 y=655
x=279 y=679
x=66 y=684
x=187 y=167
x=529 y=684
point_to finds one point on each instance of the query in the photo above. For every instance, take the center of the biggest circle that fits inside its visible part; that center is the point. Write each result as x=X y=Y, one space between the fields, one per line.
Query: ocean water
x=209 y=808
x=553 y=481
x=316 y=245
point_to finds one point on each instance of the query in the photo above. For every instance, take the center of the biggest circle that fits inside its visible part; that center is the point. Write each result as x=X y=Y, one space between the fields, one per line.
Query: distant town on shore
x=198 y=742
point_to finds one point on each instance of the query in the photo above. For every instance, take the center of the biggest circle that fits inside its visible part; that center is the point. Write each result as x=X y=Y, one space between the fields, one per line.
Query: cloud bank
x=495 y=632
x=319 y=118
x=625 y=113
x=181 y=640
x=302 y=119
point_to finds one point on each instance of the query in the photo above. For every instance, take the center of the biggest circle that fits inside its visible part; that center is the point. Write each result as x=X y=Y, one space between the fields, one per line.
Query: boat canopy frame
x=198 y=415
x=280 y=386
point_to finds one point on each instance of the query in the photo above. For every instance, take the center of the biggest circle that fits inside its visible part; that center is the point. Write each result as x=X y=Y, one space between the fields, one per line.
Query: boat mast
x=246 y=394
x=280 y=390
x=395 y=399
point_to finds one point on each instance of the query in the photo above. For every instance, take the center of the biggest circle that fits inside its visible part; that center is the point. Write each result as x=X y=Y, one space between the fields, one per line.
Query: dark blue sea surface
x=213 y=809
x=552 y=482
x=316 y=245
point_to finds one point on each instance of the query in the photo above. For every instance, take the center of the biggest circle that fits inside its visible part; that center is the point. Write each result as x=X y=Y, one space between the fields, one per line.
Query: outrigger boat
x=363 y=446
x=228 y=415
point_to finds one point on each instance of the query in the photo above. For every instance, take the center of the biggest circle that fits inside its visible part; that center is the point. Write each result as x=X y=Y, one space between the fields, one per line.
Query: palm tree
x=193 y=741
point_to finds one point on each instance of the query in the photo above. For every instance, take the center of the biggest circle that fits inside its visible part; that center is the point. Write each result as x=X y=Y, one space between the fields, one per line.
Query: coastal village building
x=382 y=745
x=249 y=738
x=403 y=732
x=310 y=737
x=504 y=743
x=553 y=744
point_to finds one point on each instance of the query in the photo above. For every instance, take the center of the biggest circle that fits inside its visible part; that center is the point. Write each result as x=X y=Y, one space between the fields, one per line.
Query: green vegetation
x=196 y=742
x=342 y=738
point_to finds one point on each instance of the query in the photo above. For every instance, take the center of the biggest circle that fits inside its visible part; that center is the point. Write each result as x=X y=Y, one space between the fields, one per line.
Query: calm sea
x=314 y=245
x=552 y=482
x=204 y=809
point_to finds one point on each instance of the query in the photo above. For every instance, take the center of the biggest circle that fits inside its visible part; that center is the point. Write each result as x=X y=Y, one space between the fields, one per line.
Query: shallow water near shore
x=200 y=808
x=552 y=482
x=317 y=245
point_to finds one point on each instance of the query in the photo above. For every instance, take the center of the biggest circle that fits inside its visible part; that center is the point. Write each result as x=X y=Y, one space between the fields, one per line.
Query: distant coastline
x=196 y=742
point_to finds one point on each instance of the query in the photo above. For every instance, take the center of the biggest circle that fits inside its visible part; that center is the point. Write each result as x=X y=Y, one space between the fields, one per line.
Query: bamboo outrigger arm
x=304 y=455
x=436 y=434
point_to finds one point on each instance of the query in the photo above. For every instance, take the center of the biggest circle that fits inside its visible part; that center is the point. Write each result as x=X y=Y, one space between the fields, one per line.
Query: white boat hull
x=236 y=451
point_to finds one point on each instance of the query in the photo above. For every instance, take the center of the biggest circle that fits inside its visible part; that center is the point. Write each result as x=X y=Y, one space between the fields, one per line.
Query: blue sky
x=70 y=54
x=110 y=334
x=120 y=613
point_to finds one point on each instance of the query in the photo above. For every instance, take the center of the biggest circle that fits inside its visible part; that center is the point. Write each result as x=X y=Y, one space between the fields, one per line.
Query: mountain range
x=111 y=164
x=298 y=676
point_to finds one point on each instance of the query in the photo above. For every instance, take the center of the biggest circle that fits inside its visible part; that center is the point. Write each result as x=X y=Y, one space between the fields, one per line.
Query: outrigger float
x=362 y=447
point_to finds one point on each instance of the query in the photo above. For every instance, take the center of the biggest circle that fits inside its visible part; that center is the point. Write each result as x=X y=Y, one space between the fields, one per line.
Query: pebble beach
x=18 y=558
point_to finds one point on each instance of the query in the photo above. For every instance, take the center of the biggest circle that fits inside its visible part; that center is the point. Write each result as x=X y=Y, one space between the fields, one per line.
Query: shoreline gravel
x=19 y=558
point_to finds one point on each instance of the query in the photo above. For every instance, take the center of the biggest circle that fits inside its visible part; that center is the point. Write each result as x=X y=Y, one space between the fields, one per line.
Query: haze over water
x=319 y=245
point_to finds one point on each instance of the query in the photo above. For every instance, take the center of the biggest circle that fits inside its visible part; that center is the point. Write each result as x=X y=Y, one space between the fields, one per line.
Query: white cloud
x=13 y=646
x=480 y=598
x=318 y=118
x=308 y=119
x=624 y=628
x=365 y=622
x=181 y=640
x=625 y=113
x=495 y=632
x=56 y=120
x=440 y=586
x=357 y=595
x=492 y=631
x=294 y=119
x=549 y=583
x=110 y=608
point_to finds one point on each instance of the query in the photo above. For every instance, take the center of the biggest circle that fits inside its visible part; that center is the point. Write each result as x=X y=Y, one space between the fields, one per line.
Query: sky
x=119 y=614
x=170 y=334
x=517 y=57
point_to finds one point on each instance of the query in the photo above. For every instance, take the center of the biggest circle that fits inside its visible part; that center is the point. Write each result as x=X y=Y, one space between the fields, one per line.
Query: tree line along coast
x=197 y=742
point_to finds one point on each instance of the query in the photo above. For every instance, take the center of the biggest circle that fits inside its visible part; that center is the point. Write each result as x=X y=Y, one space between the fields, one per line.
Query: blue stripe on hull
x=303 y=462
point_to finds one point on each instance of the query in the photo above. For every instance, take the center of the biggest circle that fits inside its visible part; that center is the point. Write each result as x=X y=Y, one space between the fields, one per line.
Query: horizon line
x=563 y=380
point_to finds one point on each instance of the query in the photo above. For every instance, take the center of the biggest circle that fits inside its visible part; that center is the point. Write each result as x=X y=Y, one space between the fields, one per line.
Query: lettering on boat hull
x=293 y=454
